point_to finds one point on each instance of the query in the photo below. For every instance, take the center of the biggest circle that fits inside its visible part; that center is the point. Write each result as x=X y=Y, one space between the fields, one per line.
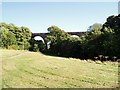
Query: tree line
x=14 y=37
x=99 y=40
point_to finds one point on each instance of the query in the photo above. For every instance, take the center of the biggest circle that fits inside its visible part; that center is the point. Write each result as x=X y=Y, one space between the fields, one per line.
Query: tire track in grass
x=29 y=72
x=38 y=84
x=36 y=75
x=51 y=73
x=88 y=80
x=23 y=79
x=32 y=81
x=33 y=74
x=81 y=80
x=26 y=73
x=29 y=81
x=71 y=84
x=91 y=81
x=18 y=55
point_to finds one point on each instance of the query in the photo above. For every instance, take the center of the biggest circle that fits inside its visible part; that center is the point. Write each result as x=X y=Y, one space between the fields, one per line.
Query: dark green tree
x=56 y=35
x=111 y=30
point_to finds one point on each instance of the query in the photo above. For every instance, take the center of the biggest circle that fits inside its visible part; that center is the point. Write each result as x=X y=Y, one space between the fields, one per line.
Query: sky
x=69 y=16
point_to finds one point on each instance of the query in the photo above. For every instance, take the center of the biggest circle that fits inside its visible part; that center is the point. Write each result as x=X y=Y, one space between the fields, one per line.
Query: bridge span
x=43 y=35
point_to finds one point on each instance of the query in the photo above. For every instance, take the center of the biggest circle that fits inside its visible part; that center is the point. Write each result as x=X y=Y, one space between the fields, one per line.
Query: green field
x=24 y=69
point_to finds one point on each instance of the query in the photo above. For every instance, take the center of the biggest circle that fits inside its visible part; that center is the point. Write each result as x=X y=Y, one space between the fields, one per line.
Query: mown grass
x=24 y=69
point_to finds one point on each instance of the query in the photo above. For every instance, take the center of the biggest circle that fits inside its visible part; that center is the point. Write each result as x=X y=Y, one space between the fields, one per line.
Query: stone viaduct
x=43 y=35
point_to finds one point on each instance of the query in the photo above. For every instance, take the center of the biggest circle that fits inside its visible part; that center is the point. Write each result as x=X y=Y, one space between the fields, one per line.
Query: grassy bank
x=24 y=69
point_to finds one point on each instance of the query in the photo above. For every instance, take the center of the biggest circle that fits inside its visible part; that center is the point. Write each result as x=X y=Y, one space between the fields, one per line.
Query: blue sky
x=69 y=16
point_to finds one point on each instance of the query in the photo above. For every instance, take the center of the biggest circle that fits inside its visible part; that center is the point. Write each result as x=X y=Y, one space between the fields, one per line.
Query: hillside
x=24 y=69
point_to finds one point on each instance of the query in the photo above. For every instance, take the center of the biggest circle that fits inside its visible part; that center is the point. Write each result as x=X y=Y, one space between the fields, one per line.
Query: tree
x=26 y=36
x=8 y=38
x=56 y=35
x=103 y=40
x=90 y=41
x=37 y=45
x=111 y=29
x=22 y=35
x=63 y=44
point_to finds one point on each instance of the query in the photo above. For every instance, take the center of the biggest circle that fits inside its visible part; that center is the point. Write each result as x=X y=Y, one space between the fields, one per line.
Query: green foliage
x=56 y=34
x=37 y=45
x=8 y=38
x=18 y=37
x=102 y=39
x=36 y=49
x=111 y=30
x=15 y=47
x=70 y=47
x=61 y=43
x=98 y=40
x=90 y=43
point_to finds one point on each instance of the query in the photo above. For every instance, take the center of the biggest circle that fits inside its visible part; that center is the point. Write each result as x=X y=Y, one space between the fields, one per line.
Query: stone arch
x=39 y=38
x=76 y=36
x=43 y=35
x=76 y=33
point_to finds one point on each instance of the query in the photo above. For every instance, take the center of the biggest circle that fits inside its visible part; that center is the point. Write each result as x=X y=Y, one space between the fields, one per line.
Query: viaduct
x=43 y=35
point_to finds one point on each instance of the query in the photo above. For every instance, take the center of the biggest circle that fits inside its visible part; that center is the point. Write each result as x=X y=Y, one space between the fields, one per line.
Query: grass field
x=24 y=69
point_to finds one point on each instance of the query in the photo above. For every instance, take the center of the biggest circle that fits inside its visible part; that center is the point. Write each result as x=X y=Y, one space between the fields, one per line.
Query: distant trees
x=61 y=43
x=99 y=40
x=15 y=37
x=102 y=39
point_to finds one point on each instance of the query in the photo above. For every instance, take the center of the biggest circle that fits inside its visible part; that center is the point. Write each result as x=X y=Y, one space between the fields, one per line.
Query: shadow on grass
x=49 y=53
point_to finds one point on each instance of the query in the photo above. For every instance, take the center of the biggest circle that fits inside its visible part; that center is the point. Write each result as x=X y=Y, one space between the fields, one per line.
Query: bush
x=15 y=47
x=36 y=48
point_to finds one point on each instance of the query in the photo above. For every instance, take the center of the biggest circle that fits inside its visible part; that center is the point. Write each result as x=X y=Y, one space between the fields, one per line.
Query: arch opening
x=76 y=36
x=48 y=45
x=39 y=38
